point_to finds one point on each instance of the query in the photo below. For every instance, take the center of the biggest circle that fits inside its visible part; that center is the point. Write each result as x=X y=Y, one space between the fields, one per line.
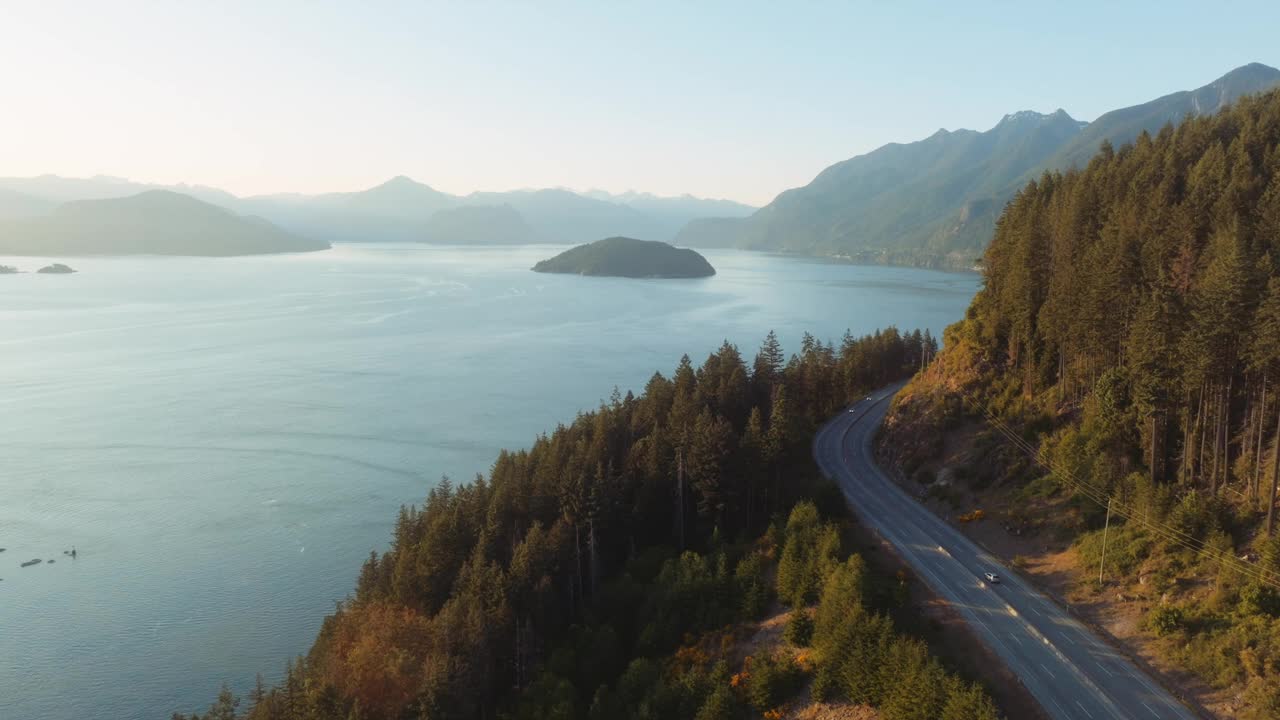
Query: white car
x=992 y=578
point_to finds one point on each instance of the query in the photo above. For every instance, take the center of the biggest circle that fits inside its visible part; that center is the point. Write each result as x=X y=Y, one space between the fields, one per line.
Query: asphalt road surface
x=1065 y=666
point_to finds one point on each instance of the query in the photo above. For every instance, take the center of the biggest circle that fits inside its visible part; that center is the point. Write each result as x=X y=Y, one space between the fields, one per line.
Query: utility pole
x=1103 y=561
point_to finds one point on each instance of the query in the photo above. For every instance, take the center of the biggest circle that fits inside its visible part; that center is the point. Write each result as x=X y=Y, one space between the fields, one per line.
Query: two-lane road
x=1065 y=666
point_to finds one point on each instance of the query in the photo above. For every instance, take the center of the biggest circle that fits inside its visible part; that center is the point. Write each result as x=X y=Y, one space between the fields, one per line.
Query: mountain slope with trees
x=934 y=202
x=1123 y=358
x=478 y=225
x=605 y=571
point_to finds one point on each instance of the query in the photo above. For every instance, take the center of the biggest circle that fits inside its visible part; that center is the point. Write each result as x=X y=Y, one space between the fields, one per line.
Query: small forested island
x=8 y=270
x=628 y=257
x=56 y=269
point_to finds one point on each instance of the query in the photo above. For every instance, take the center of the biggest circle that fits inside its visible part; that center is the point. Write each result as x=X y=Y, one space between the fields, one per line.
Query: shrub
x=1127 y=547
x=1258 y=599
x=1262 y=700
x=1165 y=619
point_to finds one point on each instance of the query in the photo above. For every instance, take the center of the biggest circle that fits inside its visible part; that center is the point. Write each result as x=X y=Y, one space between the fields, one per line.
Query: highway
x=1065 y=666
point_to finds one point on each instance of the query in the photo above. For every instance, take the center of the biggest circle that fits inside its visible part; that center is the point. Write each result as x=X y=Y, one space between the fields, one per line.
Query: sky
x=738 y=100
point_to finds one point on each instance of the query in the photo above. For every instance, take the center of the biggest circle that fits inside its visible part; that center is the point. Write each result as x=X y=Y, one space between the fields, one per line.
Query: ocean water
x=223 y=441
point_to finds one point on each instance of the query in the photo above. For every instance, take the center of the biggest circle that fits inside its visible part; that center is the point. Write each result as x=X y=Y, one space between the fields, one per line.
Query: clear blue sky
x=719 y=99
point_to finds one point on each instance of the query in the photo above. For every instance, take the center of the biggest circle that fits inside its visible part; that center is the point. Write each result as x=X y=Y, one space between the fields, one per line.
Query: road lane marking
x=1086 y=711
x=858 y=489
x=1103 y=668
x=1148 y=707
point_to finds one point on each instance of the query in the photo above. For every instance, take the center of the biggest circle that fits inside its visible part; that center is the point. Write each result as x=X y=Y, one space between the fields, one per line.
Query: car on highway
x=991 y=578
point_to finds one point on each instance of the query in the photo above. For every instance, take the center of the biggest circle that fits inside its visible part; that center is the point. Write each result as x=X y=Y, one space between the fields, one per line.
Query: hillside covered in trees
x=1125 y=349
x=606 y=571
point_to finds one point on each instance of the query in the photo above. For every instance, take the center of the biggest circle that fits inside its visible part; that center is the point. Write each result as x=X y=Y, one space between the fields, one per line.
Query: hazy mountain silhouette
x=158 y=222
x=404 y=210
x=14 y=204
x=56 y=189
x=671 y=214
x=395 y=211
x=562 y=216
x=478 y=225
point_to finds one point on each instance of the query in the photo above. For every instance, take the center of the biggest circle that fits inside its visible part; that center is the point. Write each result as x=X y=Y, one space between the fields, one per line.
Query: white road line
x=1103 y=668
x=865 y=502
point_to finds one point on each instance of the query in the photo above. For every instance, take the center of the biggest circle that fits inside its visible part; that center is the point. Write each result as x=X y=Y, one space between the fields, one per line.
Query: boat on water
x=29 y=563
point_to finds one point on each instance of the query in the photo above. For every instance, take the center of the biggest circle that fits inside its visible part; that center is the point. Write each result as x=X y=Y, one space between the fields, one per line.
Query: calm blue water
x=224 y=440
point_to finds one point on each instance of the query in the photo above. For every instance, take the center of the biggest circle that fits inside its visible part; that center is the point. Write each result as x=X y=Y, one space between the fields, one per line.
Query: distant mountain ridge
x=934 y=202
x=15 y=204
x=404 y=210
x=478 y=225
x=154 y=222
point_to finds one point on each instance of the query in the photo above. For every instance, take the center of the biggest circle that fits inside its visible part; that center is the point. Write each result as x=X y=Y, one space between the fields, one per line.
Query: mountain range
x=934 y=202
x=398 y=210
